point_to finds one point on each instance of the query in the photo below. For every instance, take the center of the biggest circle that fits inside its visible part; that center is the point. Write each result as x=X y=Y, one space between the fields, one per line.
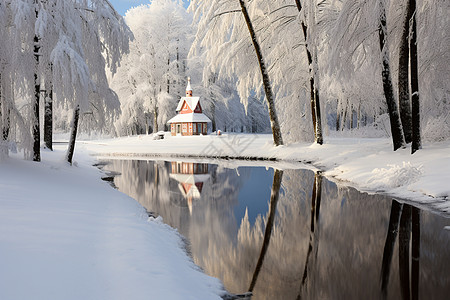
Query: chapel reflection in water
x=191 y=177
x=229 y=216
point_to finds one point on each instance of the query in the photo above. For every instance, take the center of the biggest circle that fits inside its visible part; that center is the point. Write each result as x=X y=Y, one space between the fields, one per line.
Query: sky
x=123 y=5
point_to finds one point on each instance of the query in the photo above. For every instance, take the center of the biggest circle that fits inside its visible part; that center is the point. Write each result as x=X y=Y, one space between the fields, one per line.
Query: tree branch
x=225 y=12
x=282 y=7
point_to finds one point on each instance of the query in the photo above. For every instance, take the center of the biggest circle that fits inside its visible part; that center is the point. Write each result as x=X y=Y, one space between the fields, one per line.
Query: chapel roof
x=191 y=101
x=188 y=118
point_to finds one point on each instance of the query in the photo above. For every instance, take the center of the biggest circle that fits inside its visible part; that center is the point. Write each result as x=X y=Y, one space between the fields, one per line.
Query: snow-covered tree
x=153 y=74
x=98 y=40
x=352 y=30
x=70 y=43
x=226 y=29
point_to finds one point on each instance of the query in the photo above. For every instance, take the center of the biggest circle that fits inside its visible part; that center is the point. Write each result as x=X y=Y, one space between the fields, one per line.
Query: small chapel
x=190 y=119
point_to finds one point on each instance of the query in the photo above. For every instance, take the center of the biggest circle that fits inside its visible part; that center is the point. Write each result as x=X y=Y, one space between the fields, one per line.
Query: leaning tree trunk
x=73 y=134
x=396 y=126
x=416 y=139
x=403 y=79
x=313 y=83
x=276 y=131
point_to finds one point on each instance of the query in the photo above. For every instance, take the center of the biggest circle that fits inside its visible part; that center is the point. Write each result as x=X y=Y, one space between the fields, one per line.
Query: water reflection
x=191 y=177
x=275 y=194
x=404 y=220
x=313 y=237
x=301 y=238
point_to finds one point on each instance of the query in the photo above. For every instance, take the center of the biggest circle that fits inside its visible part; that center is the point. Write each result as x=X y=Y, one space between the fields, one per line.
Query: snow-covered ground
x=65 y=234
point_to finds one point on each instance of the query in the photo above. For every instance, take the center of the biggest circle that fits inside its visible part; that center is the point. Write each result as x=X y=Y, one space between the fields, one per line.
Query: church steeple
x=188 y=88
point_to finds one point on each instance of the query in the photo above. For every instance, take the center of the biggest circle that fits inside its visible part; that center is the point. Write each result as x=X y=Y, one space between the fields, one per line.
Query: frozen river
x=293 y=234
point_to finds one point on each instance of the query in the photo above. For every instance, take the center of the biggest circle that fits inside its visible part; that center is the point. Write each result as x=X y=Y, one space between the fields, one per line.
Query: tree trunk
x=358 y=117
x=48 y=118
x=4 y=123
x=396 y=127
x=276 y=131
x=5 y=114
x=73 y=134
x=416 y=139
x=338 y=117
x=213 y=116
x=352 y=112
x=313 y=83
x=403 y=79
x=168 y=72
x=319 y=135
x=344 y=121
x=155 y=119
x=313 y=105
x=37 y=92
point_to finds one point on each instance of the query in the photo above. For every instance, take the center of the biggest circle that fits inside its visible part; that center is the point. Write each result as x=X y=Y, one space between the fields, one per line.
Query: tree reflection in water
x=231 y=222
x=275 y=194
x=313 y=238
x=405 y=219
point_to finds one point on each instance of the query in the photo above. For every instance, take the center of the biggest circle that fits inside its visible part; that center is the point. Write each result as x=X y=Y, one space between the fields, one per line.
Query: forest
x=301 y=70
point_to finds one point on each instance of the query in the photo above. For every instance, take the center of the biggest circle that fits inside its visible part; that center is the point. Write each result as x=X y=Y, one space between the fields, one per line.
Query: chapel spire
x=188 y=88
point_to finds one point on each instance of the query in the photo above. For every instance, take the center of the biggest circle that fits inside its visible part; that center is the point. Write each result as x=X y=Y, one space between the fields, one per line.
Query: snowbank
x=65 y=234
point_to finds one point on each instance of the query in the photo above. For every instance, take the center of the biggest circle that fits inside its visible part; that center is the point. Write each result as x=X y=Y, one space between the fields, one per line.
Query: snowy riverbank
x=66 y=234
x=367 y=164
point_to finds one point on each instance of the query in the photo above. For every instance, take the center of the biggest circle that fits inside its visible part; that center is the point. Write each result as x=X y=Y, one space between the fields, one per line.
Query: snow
x=68 y=235
x=191 y=117
x=65 y=234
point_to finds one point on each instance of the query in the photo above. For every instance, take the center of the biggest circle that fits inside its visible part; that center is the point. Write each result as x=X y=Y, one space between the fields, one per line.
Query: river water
x=293 y=234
